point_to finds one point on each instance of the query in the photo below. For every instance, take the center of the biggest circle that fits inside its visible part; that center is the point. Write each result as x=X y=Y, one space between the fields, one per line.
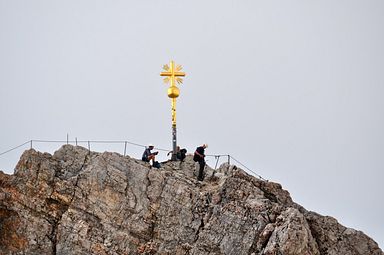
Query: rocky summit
x=81 y=202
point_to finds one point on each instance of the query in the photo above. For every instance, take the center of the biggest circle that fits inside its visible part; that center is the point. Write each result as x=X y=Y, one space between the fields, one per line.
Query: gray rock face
x=77 y=202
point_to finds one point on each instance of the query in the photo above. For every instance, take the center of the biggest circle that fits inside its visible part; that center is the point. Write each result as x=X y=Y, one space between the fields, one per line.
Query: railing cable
x=88 y=142
x=21 y=145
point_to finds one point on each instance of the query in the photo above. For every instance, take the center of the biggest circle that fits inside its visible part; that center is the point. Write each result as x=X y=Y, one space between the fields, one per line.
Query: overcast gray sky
x=293 y=89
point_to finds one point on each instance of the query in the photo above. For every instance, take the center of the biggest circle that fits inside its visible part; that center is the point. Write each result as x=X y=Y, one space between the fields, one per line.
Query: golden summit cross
x=173 y=75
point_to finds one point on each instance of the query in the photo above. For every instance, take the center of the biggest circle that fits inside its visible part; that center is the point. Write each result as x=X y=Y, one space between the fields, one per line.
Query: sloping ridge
x=81 y=202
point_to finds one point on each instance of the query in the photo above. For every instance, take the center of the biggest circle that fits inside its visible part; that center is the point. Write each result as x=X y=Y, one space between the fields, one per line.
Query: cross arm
x=172 y=74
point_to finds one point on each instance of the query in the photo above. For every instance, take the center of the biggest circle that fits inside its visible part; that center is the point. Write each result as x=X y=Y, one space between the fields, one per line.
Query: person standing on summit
x=199 y=156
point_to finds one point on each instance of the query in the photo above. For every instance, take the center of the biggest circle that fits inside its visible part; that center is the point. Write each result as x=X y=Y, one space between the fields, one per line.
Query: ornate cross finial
x=172 y=73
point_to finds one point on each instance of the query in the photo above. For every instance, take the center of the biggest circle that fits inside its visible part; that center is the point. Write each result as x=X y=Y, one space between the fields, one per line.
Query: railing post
x=217 y=157
x=76 y=140
x=31 y=144
x=125 y=148
x=229 y=159
x=89 y=147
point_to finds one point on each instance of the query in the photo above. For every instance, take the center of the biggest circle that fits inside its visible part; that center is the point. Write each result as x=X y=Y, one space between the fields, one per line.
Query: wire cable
x=248 y=169
x=21 y=145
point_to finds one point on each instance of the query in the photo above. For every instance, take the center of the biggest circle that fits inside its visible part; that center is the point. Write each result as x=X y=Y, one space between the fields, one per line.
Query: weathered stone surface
x=77 y=202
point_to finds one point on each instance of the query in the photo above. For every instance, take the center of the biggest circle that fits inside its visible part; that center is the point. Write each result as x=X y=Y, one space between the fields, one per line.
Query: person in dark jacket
x=180 y=153
x=199 y=156
x=148 y=155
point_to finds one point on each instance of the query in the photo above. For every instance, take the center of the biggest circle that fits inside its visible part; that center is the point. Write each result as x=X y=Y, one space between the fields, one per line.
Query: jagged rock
x=81 y=202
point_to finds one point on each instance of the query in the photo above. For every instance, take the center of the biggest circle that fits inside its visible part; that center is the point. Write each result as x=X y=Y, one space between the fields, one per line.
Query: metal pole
x=76 y=141
x=89 y=147
x=174 y=142
x=67 y=138
x=229 y=159
x=31 y=144
x=174 y=132
x=125 y=148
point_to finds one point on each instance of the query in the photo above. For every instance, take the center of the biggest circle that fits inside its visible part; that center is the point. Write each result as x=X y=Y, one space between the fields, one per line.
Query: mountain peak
x=81 y=202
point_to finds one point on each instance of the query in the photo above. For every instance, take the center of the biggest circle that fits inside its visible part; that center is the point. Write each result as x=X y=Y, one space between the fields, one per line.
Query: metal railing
x=125 y=144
